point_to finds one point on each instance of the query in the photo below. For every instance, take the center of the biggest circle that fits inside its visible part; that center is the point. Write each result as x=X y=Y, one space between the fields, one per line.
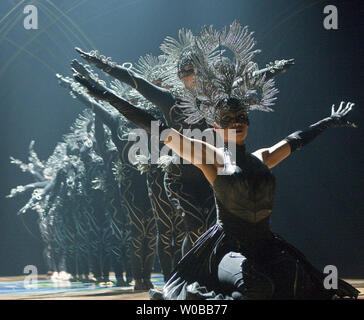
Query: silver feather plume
x=219 y=77
x=174 y=51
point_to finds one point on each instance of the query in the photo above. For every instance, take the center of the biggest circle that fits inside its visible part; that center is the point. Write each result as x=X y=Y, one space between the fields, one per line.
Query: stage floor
x=14 y=288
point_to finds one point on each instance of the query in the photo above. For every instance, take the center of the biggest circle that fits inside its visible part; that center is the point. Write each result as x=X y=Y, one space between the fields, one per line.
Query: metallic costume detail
x=176 y=51
x=220 y=78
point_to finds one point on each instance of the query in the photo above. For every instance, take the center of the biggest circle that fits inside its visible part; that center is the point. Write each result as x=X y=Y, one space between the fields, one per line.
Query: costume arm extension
x=275 y=68
x=139 y=117
x=21 y=189
x=160 y=97
x=205 y=159
x=295 y=141
x=106 y=116
x=337 y=119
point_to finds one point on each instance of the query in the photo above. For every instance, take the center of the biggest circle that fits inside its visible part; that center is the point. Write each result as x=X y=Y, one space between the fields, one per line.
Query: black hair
x=231 y=102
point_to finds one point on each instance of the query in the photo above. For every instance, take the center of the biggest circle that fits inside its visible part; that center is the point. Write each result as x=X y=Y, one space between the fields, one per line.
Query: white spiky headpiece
x=175 y=51
x=150 y=67
x=82 y=130
x=219 y=78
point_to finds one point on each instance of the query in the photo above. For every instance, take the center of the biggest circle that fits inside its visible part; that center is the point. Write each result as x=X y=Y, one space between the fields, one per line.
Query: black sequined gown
x=240 y=257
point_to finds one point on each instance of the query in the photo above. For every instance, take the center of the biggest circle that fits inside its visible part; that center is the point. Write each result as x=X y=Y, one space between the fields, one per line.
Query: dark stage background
x=319 y=199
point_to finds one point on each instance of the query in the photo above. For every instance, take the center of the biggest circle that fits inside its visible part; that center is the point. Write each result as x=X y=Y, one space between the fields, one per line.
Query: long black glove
x=113 y=69
x=139 y=117
x=337 y=119
x=161 y=98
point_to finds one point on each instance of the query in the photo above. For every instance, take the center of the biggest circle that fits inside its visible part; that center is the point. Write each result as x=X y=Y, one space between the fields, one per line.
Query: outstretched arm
x=272 y=70
x=34 y=167
x=203 y=155
x=38 y=166
x=108 y=118
x=295 y=141
x=31 y=186
x=275 y=68
x=160 y=97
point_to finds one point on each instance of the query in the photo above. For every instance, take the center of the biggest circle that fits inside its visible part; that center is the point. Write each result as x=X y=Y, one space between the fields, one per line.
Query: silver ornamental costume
x=239 y=257
x=135 y=240
x=132 y=183
x=181 y=187
x=219 y=77
x=185 y=185
x=170 y=228
x=65 y=215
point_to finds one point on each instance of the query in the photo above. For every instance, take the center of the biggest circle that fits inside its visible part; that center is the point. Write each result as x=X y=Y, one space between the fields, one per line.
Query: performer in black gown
x=187 y=190
x=239 y=257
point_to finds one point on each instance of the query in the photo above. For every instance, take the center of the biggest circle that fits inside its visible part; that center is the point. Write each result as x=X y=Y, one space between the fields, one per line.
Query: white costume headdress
x=219 y=78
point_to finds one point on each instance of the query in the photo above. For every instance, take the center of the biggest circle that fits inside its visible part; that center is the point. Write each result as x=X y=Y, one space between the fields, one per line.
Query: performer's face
x=228 y=119
x=187 y=76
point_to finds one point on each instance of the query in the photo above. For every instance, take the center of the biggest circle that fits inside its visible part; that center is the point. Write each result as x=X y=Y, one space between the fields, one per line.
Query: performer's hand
x=339 y=117
x=96 y=60
x=281 y=66
x=75 y=92
x=65 y=82
x=95 y=88
x=81 y=69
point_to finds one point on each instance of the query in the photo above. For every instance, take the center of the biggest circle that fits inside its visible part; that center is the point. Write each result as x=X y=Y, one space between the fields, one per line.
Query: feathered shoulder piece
x=224 y=69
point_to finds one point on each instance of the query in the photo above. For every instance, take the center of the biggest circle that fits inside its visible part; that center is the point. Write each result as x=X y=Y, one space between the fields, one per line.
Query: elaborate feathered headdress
x=150 y=67
x=219 y=78
x=177 y=53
